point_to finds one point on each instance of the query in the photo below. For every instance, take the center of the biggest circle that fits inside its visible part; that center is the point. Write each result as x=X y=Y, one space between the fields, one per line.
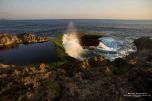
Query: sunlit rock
x=85 y=64
x=42 y=68
x=6 y=39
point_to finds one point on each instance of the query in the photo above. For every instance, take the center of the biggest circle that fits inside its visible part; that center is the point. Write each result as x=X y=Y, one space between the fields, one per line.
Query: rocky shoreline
x=26 y=38
x=6 y=40
x=96 y=79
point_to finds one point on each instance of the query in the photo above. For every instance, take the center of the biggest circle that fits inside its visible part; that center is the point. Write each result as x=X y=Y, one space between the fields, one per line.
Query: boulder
x=141 y=79
x=90 y=39
x=144 y=43
x=120 y=66
x=144 y=50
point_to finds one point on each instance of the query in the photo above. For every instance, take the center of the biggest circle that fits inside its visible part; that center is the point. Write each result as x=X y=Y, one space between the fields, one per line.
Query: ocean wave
x=113 y=48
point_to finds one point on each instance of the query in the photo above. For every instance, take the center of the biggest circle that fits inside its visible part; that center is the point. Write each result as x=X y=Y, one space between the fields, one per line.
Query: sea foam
x=71 y=42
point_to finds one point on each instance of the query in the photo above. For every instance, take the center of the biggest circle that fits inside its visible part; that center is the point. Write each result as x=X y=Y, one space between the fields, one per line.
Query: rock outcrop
x=144 y=50
x=6 y=39
x=32 y=38
x=96 y=79
x=143 y=43
x=26 y=38
x=90 y=39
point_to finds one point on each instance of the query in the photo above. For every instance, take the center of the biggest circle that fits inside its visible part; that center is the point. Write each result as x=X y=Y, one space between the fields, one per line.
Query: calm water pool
x=29 y=54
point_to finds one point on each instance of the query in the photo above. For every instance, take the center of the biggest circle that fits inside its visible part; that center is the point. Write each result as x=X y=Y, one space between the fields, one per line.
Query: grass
x=59 y=47
x=60 y=51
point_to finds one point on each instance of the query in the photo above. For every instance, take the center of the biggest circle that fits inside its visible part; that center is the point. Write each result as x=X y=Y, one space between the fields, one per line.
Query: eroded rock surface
x=26 y=38
x=90 y=39
x=96 y=79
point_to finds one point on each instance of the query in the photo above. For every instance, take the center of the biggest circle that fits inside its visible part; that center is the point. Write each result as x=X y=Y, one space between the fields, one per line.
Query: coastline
x=81 y=80
x=26 y=38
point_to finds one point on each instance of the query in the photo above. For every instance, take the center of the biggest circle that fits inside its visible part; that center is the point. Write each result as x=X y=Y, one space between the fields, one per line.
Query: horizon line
x=73 y=19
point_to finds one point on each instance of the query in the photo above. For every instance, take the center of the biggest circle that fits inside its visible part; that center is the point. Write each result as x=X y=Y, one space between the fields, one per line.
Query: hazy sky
x=76 y=9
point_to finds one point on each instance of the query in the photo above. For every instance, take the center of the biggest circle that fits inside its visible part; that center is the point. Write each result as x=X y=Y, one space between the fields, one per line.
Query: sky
x=76 y=9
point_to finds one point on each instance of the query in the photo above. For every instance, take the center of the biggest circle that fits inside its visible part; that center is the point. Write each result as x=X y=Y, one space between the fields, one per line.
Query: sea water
x=117 y=41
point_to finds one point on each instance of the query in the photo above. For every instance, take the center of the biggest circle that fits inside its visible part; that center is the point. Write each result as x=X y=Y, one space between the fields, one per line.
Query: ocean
x=113 y=27
x=117 y=41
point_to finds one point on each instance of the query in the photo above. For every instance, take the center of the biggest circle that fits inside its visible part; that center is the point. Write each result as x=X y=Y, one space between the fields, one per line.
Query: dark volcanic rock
x=144 y=51
x=141 y=79
x=90 y=39
x=143 y=43
x=120 y=66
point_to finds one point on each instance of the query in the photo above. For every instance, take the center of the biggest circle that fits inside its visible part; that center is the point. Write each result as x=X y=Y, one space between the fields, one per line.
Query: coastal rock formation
x=143 y=43
x=6 y=39
x=32 y=38
x=94 y=79
x=26 y=38
x=144 y=50
x=90 y=39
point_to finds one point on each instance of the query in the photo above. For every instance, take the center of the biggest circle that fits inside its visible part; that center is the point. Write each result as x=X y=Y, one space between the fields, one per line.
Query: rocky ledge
x=143 y=43
x=26 y=38
x=90 y=39
x=32 y=38
x=96 y=79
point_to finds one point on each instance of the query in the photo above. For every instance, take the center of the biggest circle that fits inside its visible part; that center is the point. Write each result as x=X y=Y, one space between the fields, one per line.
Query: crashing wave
x=102 y=46
x=110 y=47
x=113 y=48
x=71 y=42
x=71 y=45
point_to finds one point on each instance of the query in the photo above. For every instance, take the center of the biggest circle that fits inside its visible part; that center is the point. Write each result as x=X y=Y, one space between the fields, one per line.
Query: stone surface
x=90 y=39
x=100 y=80
x=143 y=43
x=7 y=40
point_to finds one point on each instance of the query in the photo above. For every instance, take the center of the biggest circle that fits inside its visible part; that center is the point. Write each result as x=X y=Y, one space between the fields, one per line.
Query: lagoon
x=29 y=54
